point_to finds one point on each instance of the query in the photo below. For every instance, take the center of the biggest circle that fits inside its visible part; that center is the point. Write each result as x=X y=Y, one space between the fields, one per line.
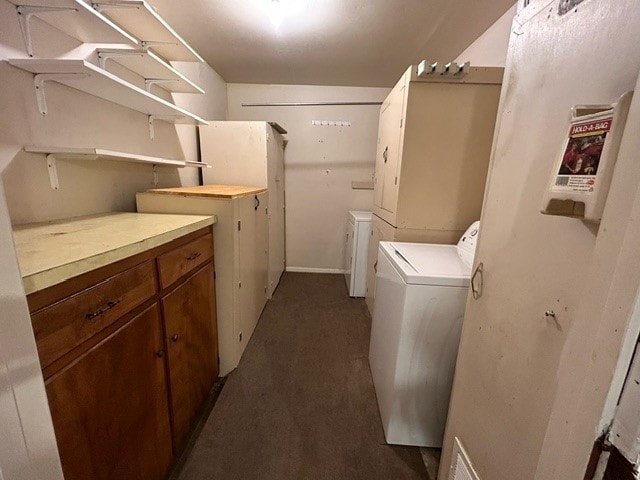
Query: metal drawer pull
x=175 y=338
x=160 y=353
x=101 y=311
x=193 y=256
x=476 y=289
x=385 y=154
x=257 y=202
x=375 y=267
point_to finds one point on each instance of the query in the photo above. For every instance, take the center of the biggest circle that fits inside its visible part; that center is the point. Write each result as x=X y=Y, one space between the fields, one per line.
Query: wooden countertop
x=216 y=191
x=52 y=252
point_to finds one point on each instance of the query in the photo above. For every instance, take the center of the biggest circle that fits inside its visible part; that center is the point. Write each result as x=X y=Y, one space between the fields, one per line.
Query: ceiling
x=327 y=42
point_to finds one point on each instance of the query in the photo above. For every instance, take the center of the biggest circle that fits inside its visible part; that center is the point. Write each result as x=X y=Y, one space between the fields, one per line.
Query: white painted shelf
x=73 y=17
x=142 y=21
x=53 y=153
x=88 y=78
x=99 y=153
x=149 y=66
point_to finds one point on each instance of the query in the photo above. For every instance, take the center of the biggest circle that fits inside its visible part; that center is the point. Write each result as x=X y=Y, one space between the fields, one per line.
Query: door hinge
x=214 y=275
x=239 y=225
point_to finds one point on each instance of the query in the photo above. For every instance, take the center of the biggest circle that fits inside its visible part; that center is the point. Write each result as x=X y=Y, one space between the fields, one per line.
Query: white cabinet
x=251 y=153
x=240 y=254
x=356 y=252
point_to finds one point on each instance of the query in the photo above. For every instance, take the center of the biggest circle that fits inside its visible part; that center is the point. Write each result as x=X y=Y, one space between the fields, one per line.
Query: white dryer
x=421 y=293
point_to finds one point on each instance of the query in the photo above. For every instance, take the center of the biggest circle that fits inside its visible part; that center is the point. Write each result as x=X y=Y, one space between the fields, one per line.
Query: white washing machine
x=421 y=293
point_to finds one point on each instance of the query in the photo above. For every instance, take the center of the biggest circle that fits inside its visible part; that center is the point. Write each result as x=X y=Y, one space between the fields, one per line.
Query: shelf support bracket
x=39 y=80
x=104 y=56
x=153 y=118
x=52 y=168
x=146 y=44
x=25 y=12
x=155 y=81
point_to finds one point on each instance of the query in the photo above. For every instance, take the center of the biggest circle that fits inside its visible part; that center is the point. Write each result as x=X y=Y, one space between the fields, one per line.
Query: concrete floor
x=301 y=404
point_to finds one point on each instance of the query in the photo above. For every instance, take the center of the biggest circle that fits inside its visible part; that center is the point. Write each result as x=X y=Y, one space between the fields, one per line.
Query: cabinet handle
x=175 y=338
x=160 y=353
x=375 y=267
x=257 y=202
x=101 y=311
x=385 y=154
x=193 y=256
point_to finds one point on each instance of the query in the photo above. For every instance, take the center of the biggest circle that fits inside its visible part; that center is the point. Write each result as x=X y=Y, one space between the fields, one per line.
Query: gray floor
x=301 y=404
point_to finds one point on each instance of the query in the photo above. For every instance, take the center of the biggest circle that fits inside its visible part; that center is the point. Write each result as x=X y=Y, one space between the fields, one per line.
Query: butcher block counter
x=51 y=252
x=123 y=310
x=211 y=191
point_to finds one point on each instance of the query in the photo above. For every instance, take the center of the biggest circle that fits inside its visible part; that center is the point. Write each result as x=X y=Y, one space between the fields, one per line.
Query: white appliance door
x=348 y=256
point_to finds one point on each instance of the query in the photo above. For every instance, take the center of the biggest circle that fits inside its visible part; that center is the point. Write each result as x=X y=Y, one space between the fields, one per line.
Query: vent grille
x=461 y=468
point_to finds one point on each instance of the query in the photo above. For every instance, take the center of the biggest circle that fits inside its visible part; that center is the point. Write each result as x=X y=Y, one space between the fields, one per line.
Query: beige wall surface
x=529 y=389
x=76 y=119
x=320 y=163
x=490 y=48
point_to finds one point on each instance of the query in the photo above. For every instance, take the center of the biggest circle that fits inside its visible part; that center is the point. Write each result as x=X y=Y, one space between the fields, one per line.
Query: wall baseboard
x=314 y=270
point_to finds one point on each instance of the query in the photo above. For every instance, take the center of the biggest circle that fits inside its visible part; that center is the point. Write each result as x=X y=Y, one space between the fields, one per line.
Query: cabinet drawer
x=178 y=262
x=66 y=324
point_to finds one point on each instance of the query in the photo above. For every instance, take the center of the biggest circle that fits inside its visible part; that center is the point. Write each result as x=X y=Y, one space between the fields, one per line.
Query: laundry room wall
x=540 y=347
x=320 y=163
x=490 y=48
x=76 y=119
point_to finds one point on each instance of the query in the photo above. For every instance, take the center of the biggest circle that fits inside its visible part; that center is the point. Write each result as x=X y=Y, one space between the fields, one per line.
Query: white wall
x=76 y=119
x=320 y=163
x=529 y=390
x=490 y=48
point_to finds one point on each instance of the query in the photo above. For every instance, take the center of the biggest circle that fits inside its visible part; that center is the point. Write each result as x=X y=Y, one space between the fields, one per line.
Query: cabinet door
x=391 y=120
x=381 y=231
x=275 y=151
x=253 y=249
x=109 y=408
x=192 y=346
x=348 y=254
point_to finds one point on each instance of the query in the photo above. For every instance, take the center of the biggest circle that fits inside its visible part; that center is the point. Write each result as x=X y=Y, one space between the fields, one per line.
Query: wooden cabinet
x=109 y=340
x=109 y=407
x=241 y=252
x=434 y=143
x=192 y=348
x=251 y=153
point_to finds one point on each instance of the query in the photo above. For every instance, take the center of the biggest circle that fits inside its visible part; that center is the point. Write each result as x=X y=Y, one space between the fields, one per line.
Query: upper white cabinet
x=433 y=151
x=251 y=153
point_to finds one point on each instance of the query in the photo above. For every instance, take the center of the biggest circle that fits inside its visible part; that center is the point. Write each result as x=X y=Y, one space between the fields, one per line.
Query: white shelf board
x=82 y=23
x=151 y=67
x=96 y=153
x=142 y=21
x=102 y=84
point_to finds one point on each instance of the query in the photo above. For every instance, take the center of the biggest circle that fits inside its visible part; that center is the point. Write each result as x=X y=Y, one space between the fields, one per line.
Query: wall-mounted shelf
x=88 y=78
x=54 y=153
x=75 y=18
x=150 y=66
x=141 y=20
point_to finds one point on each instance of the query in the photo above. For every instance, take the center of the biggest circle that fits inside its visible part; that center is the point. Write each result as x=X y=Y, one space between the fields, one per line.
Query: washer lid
x=358 y=216
x=428 y=264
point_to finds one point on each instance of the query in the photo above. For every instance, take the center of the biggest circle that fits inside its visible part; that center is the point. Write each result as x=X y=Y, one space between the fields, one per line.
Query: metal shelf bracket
x=155 y=81
x=52 y=168
x=40 y=78
x=25 y=12
x=153 y=118
x=104 y=56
